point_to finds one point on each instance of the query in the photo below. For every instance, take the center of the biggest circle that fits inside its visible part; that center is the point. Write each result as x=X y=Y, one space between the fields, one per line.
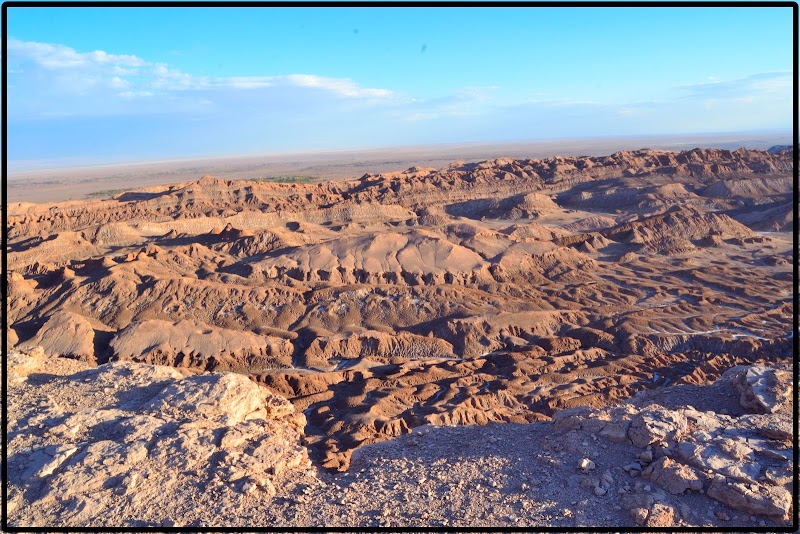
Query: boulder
x=673 y=476
x=752 y=498
x=616 y=431
x=656 y=424
x=726 y=456
x=232 y=397
x=758 y=390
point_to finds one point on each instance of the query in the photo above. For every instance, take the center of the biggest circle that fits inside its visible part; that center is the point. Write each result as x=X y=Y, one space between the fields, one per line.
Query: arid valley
x=612 y=328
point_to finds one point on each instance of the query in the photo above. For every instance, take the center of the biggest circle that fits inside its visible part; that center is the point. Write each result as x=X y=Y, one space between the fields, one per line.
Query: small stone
x=600 y=491
x=661 y=515
x=633 y=466
x=639 y=515
x=266 y=485
x=127 y=484
x=586 y=464
x=616 y=432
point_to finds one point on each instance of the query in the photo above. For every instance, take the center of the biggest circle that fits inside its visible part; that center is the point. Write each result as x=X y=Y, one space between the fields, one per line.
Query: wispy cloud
x=761 y=84
x=344 y=87
x=166 y=78
x=55 y=56
x=341 y=86
x=58 y=80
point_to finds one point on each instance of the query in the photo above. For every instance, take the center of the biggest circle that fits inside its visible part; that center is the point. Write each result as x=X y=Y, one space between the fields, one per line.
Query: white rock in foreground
x=131 y=435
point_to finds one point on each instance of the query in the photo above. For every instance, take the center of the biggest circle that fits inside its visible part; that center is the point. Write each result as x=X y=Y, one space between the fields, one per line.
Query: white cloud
x=116 y=70
x=761 y=84
x=124 y=60
x=56 y=80
x=341 y=86
x=46 y=55
x=55 y=56
x=164 y=77
x=118 y=83
x=135 y=94
x=246 y=82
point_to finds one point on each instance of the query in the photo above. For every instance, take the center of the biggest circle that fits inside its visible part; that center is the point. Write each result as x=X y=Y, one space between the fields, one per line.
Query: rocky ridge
x=98 y=446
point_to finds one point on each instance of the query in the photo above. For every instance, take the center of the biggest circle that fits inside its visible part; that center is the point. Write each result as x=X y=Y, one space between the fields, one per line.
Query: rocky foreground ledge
x=128 y=444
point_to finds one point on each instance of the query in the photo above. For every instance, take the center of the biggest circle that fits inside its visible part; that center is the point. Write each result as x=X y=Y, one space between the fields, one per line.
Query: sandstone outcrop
x=138 y=435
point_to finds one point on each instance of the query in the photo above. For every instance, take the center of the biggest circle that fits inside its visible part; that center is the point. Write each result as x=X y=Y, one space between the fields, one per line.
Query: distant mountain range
x=778 y=148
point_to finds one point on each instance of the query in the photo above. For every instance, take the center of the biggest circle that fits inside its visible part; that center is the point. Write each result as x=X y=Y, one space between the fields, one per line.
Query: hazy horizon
x=749 y=139
x=88 y=86
x=74 y=182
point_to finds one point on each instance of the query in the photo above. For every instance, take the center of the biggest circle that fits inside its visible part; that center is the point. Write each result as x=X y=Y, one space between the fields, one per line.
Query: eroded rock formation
x=504 y=290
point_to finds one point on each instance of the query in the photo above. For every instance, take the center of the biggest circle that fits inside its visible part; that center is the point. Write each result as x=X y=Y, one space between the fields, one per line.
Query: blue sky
x=91 y=85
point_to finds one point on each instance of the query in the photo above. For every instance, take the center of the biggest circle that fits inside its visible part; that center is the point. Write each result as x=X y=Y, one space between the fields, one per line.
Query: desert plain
x=599 y=340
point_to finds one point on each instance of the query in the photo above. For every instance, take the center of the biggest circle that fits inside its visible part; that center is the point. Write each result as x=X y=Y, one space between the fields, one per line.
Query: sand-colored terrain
x=502 y=291
x=96 y=447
